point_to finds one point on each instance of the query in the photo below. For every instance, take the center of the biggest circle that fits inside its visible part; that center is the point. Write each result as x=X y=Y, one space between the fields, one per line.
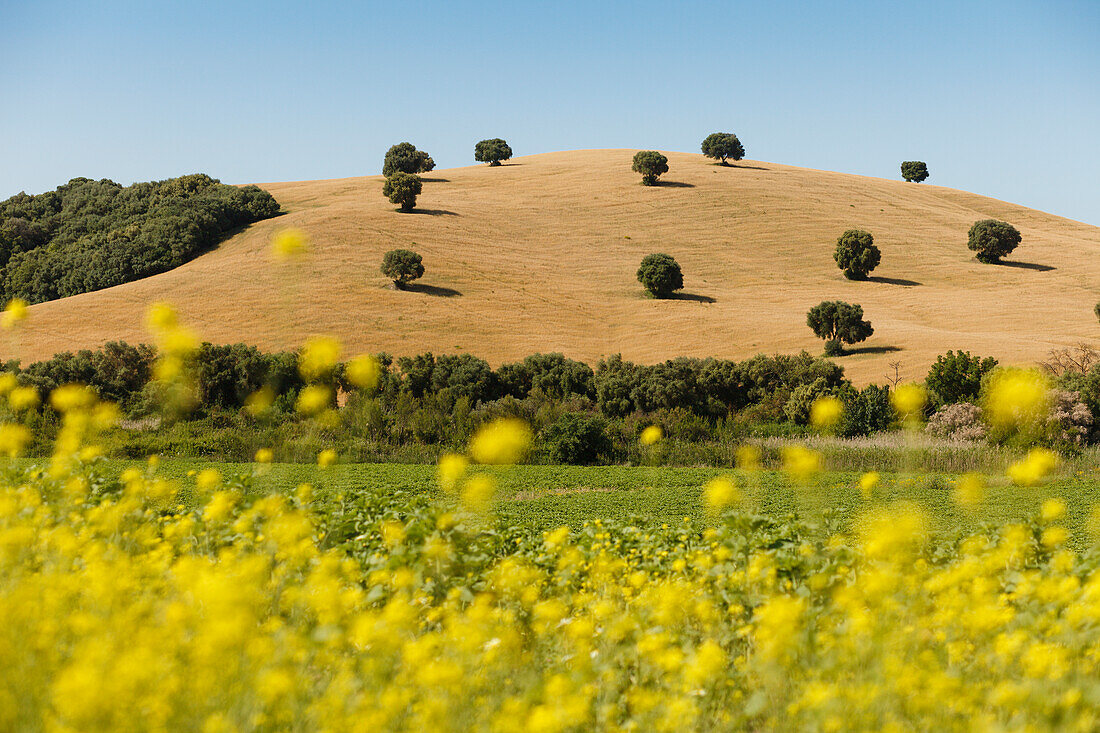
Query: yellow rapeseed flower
x=1017 y=398
x=908 y=400
x=15 y=313
x=748 y=457
x=451 y=468
x=289 y=243
x=477 y=492
x=826 y=412
x=801 y=462
x=260 y=401
x=70 y=397
x=364 y=372
x=720 y=492
x=1052 y=509
x=264 y=455
x=8 y=382
x=651 y=435
x=503 y=441
x=1031 y=471
x=208 y=479
x=314 y=399
x=318 y=358
x=868 y=482
x=23 y=398
x=161 y=317
x=969 y=490
x=326 y=458
x=13 y=439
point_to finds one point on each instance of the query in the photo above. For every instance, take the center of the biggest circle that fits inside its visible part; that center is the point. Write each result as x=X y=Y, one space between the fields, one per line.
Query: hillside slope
x=540 y=255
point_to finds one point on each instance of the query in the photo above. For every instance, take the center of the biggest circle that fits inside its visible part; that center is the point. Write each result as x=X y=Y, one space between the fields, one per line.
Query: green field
x=545 y=497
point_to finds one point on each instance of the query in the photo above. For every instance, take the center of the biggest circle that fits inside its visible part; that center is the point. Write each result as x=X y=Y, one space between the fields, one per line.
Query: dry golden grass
x=541 y=254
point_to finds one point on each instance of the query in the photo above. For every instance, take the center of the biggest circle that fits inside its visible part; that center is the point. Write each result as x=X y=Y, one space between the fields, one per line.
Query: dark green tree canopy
x=660 y=275
x=404 y=157
x=856 y=254
x=993 y=239
x=722 y=146
x=915 y=171
x=492 y=151
x=957 y=377
x=88 y=235
x=651 y=165
x=402 y=188
x=402 y=266
x=835 y=320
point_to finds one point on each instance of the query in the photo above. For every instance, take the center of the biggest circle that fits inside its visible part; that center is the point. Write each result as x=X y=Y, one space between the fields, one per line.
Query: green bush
x=651 y=165
x=722 y=146
x=957 y=377
x=993 y=239
x=405 y=158
x=915 y=171
x=835 y=320
x=797 y=407
x=492 y=151
x=866 y=411
x=402 y=266
x=833 y=347
x=856 y=254
x=550 y=374
x=89 y=235
x=577 y=439
x=402 y=188
x=660 y=275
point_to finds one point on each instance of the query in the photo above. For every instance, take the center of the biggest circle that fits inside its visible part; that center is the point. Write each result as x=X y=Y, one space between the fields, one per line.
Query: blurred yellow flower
x=15 y=313
x=477 y=492
x=72 y=397
x=326 y=458
x=314 y=399
x=364 y=372
x=969 y=490
x=161 y=316
x=1017 y=398
x=13 y=439
x=289 y=243
x=8 y=382
x=801 y=462
x=23 y=398
x=868 y=482
x=720 y=492
x=1052 y=509
x=503 y=441
x=826 y=412
x=208 y=479
x=318 y=358
x=909 y=400
x=260 y=401
x=651 y=435
x=1030 y=471
x=451 y=468
x=264 y=455
x=748 y=457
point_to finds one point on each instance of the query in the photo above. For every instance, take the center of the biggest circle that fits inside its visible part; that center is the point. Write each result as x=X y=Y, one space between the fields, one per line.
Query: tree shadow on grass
x=1026 y=266
x=674 y=184
x=893 y=281
x=746 y=167
x=436 y=290
x=849 y=351
x=435 y=180
x=692 y=297
x=431 y=212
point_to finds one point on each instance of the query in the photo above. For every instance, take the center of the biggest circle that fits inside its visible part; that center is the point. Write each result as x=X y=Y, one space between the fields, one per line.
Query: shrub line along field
x=540 y=255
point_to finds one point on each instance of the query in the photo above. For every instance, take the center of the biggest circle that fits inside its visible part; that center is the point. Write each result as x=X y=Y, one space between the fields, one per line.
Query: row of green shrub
x=87 y=235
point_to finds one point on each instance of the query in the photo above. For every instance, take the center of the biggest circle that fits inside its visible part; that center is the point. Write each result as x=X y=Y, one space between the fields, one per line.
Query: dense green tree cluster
x=88 y=235
x=957 y=377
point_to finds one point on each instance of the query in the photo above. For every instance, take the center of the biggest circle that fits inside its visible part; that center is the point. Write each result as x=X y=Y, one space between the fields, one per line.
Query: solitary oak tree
x=651 y=165
x=722 y=146
x=492 y=151
x=402 y=266
x=660 y=275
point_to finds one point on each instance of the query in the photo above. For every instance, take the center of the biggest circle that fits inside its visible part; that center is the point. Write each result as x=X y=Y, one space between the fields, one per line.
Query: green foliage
x=118 y=372
x=402 y=188
x=651 y=165
x=797 y=408
x=577 y=439
x=867 y=411
x=88 y=235
x=402 y=266
x=914 y=171
x=957 y=377
x=454 y=375
x=833 y=347
x=722 y=146
x=550 y=374
x=405 y=158
x=228 y=374
x=856 y=254
x=838 y=320
x=492 y=151
x=660 y=275
x=993 y=239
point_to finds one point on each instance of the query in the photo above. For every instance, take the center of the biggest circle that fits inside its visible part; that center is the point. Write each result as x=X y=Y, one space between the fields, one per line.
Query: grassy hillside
x=540 y=255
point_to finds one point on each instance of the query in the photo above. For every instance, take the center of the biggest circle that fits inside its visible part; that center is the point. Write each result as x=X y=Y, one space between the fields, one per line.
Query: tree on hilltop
x=405 y=158
x=651 y=165
x=722 y=146
x=492 y=151
x=402 y=188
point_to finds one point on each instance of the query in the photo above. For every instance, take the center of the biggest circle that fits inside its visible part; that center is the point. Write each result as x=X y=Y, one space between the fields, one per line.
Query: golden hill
x=540 y=255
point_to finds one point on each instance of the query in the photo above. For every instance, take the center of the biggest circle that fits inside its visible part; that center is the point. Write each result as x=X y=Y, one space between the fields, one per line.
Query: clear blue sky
x=1000 y=98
